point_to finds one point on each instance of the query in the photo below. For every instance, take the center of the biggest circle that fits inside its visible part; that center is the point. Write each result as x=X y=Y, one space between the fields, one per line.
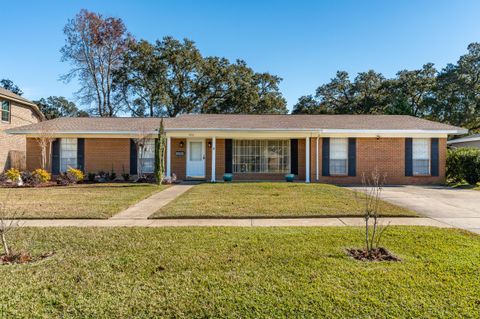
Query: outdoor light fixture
x=209 y=144
x=378 y=137
x=181 y=144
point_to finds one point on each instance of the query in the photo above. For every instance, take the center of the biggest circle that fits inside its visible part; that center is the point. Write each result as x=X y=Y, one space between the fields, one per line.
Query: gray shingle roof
x=239 y=122
x=12 y=96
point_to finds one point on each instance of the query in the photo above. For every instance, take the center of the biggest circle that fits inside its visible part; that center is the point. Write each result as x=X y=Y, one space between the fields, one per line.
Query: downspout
x=316 y=158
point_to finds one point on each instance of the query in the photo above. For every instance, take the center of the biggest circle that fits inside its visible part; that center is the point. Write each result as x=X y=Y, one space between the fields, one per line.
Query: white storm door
x=196 y=158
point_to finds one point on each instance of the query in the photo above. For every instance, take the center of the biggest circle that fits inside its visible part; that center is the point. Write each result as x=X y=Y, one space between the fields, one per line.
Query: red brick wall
x=103 y=154
x=219 y=159
x=178 y=164
x=385 y=154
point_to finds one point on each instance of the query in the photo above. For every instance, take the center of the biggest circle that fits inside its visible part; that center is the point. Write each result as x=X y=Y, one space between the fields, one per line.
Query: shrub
x=463 y=164
x=30 y=178
x=13 y=174
x=91 y=177
x=66 y=179
x=3 y=178
x=72 y=176
x=42 y=175
x=112 y=176
x=76 y=173
x=126 y=177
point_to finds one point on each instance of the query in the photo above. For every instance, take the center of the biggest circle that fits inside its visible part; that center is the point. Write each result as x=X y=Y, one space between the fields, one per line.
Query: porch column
x=316 y=160
x=214 y=153
x=169 y=147
x=307 y=160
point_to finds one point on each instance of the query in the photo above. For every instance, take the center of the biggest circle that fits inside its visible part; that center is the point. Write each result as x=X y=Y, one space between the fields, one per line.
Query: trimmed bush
x=463 y=164
x=42 y=175
x=30 y=178
x=13 y=174
x=76 y=173
x=91 y=177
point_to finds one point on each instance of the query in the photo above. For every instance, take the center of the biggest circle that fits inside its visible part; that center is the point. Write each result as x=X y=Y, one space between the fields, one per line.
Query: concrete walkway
x=241 y=222
x=148 y=206
x=454 y=206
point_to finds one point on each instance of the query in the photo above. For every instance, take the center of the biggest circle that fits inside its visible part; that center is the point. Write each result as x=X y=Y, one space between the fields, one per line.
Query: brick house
x=15 y=111
x=315 y=148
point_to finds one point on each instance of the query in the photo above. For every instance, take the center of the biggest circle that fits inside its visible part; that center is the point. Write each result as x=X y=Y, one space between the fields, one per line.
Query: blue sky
x=304 y=42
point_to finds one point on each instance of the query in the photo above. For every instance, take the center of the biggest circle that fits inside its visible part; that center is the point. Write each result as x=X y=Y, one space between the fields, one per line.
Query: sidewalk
x=242 y=222
x=148 y=206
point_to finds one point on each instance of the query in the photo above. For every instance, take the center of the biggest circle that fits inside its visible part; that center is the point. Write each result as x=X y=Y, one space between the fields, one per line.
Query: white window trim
x=288 y=155
x=9 y=111
x=330 y=156
x=149 y=155
x=62 y=158
x=429 y=147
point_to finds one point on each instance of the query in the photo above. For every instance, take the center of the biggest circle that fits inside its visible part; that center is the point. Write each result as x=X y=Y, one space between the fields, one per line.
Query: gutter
x=312 y=131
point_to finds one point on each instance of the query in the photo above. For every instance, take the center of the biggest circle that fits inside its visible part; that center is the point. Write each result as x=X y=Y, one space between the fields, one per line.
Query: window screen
x=261 y=156
x=338 y=156
x=68 y=154
x=421 y=156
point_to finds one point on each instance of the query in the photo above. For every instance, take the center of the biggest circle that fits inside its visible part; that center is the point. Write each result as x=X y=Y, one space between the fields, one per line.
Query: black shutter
x=228 y=156
x=133 y=157
x=408 y=157
x=352 y=156
x=325 y=156
x=434 y=155
x=294 y=156
x=81 y=154
x=56 y=157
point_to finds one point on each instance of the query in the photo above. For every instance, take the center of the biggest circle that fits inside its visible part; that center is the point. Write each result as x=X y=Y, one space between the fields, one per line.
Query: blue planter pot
x=289 y=177
x=227 y=177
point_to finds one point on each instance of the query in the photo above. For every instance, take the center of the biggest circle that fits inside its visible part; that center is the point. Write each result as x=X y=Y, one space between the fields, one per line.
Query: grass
x=241 y=273
x=465 y=185
x=269 y=200
x=77 y=201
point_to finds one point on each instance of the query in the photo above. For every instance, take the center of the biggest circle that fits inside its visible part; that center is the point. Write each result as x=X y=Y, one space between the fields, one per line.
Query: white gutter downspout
x=307 y=161
x=169 y=146
x=316 y=159
x=214 y=155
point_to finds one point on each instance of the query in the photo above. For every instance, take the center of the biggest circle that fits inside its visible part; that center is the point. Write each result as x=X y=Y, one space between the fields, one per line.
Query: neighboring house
x=15 y=111
x=316 y=148
x=467 y=141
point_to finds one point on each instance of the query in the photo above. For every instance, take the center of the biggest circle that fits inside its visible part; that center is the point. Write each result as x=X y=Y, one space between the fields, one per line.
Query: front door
x=196 y=158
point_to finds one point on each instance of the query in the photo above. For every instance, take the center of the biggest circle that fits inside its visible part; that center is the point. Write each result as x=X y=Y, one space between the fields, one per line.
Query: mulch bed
x=377 y=254
x=23 y=258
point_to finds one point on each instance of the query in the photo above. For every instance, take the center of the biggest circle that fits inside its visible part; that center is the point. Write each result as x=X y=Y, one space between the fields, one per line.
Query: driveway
x=457 y=207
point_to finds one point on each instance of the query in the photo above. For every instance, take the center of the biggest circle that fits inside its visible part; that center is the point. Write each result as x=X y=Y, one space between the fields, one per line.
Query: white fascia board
x=405 y=132
x=464 y=139
x=229 y=132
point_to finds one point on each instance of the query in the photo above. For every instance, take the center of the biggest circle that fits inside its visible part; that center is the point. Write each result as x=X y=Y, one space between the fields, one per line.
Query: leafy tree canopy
x=9 y=85
x=58 y=106
x=171 y=77
x=451 y=95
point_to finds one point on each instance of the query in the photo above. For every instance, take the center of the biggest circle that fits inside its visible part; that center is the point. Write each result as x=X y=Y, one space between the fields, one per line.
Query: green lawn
x=269 y=200
x=77 y=201
x=241 y=273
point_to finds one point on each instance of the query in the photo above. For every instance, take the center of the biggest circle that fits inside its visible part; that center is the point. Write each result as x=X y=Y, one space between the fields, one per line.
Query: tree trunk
x=5 y=245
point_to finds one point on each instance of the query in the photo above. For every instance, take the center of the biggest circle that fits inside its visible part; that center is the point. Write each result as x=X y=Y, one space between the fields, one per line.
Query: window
x=146 y=156
x=68 y=153
x=421 y=156
x=5 y=111
x=338 y=156
x=261 y=156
